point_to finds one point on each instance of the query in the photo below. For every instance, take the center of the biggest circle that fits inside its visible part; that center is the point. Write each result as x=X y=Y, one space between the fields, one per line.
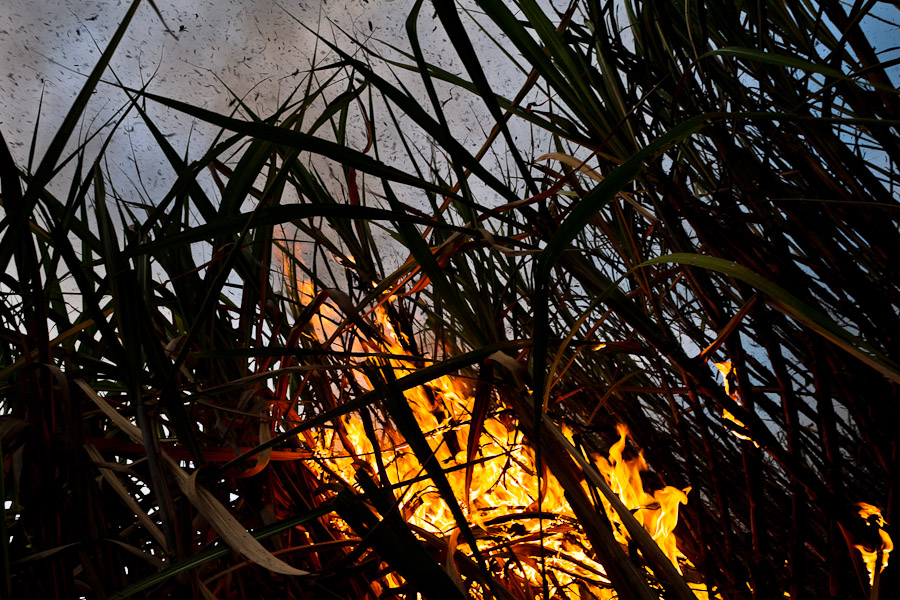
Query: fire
x=502 y=502
x=726 y=369
x=657 y=512
x=871 y=556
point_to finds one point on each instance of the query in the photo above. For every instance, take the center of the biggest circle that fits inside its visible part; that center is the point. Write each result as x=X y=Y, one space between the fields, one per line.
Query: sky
x=257 y=49
x=214 y=50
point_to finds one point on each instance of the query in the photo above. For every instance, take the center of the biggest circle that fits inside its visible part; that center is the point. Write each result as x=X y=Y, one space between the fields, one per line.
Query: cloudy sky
x=259 y=50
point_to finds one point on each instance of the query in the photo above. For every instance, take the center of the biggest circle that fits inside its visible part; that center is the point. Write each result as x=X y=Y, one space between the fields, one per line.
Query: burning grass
x=241 y=391
x=523 y=524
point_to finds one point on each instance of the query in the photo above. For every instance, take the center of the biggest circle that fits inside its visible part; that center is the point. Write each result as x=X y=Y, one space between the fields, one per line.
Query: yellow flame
x=657 y=512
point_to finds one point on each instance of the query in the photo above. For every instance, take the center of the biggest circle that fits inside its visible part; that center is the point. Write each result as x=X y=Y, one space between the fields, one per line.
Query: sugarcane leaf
x=575 y=223
x=290 y=138
x=414 y=379
x=401 y=413
x=673 y=580
x=446 y=12
x=480 y=407
x=231 y=530
x=391 y=537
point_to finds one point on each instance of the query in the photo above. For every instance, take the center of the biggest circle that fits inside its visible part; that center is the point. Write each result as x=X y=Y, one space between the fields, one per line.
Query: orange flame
x=657 y=512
